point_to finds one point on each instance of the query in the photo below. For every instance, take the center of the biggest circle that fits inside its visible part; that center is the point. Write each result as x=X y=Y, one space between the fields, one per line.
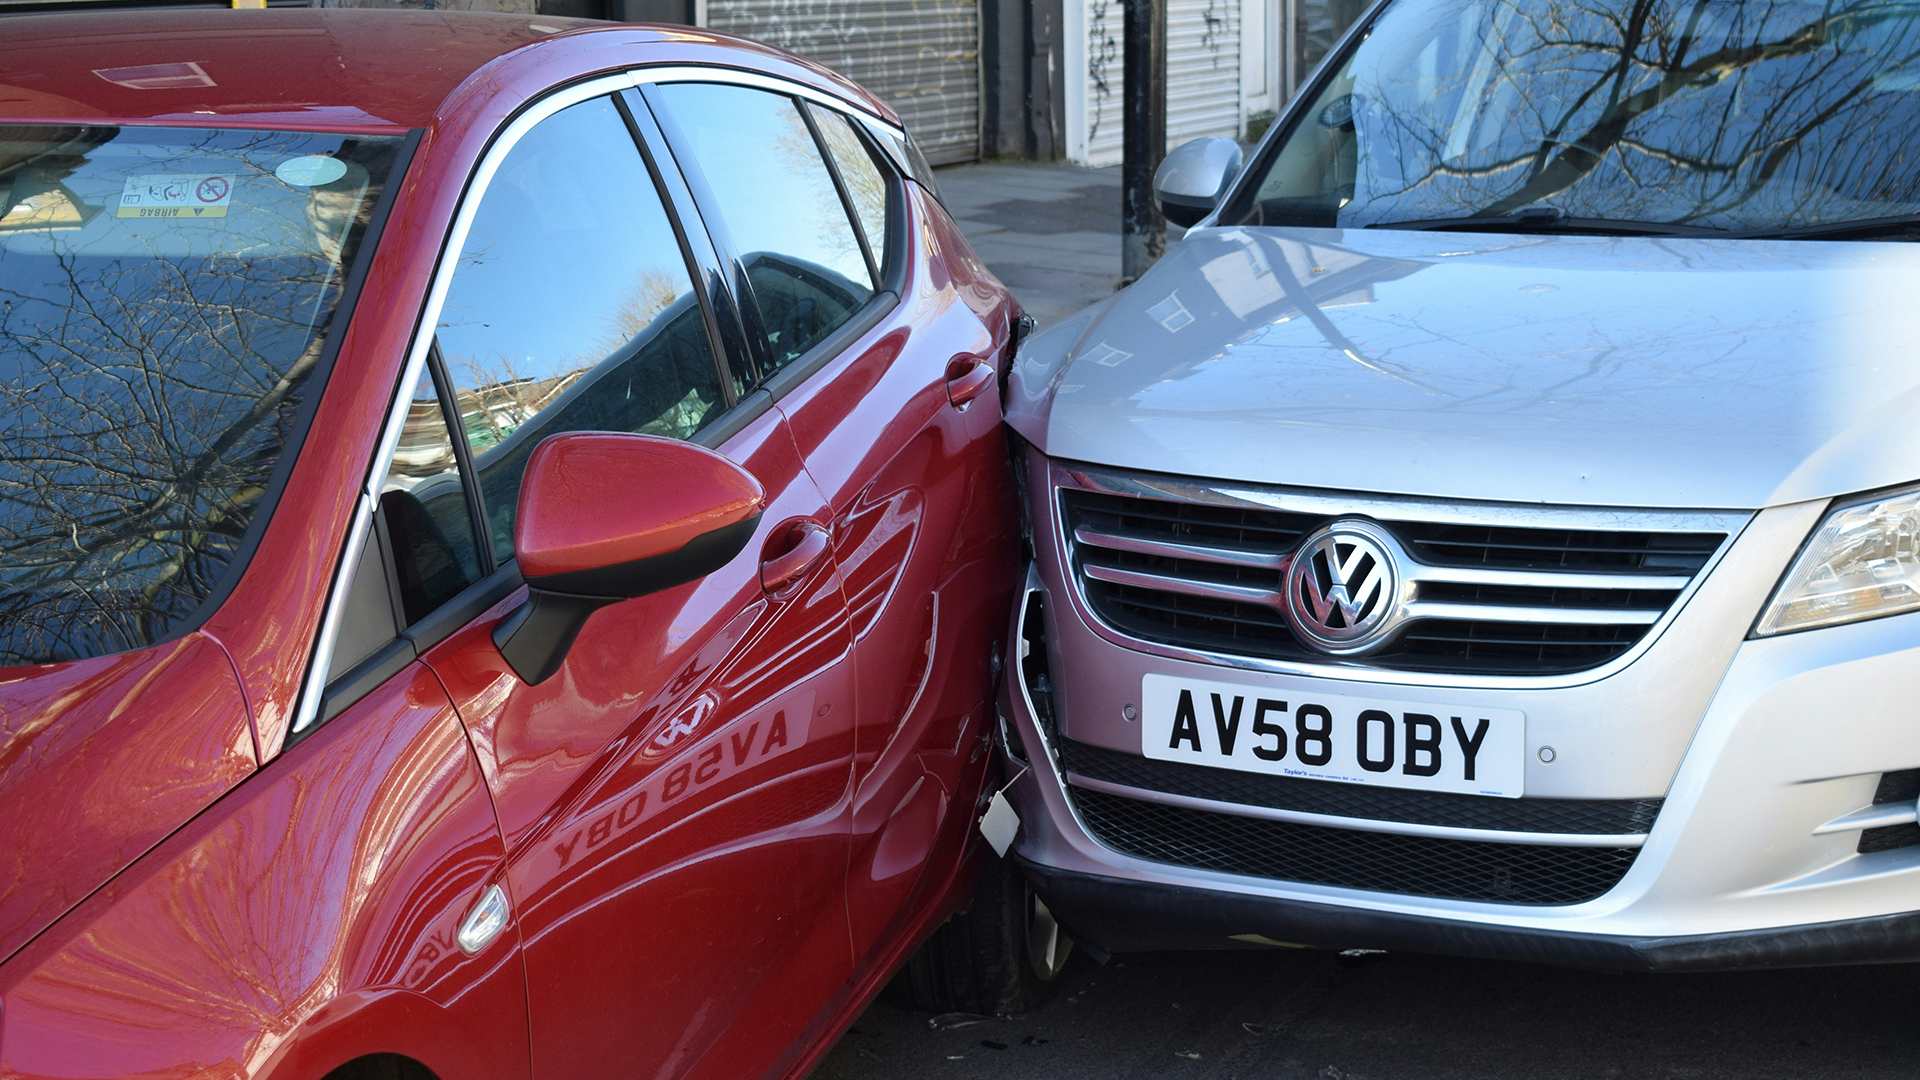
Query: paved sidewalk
x=1052 y=232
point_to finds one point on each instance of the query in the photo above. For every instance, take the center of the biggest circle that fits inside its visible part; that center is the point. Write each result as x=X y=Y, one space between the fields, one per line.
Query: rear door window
x=167 y=296
x=768 y=194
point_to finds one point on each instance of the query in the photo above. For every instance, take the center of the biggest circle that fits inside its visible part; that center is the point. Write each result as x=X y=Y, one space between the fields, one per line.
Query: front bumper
x=1145 y=915
x=1766 y=754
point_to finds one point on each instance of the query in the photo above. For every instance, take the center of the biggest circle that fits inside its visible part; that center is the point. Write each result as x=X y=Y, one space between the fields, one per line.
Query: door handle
x=802 y=545
x=967 y=378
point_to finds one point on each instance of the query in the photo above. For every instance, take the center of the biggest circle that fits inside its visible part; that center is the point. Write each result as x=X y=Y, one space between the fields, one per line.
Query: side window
x=572 y=307
x=770 y=196
x=866 y=183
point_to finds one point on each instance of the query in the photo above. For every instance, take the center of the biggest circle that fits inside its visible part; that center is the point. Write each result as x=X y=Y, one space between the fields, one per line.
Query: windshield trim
x=351 y=287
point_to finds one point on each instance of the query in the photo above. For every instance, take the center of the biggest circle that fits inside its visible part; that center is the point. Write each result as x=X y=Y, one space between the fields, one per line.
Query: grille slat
x=1897 y=789
x=1585 y=550
x=1521 y=874
x=1500 y=612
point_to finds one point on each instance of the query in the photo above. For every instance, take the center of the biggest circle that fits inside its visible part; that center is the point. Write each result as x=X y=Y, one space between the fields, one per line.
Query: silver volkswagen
x=1492 y=530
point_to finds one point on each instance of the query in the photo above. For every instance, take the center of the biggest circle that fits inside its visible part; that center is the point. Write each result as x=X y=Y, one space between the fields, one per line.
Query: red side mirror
x=605 y=517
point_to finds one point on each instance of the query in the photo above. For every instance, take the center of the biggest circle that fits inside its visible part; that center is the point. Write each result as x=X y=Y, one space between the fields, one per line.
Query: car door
x=877 y=334
x=674 y=799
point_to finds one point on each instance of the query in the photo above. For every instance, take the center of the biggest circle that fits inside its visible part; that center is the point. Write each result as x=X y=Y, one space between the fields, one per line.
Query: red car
x=504 y=531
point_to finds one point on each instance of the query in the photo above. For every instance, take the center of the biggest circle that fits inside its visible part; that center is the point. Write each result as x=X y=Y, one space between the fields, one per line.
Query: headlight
x=1863 y=562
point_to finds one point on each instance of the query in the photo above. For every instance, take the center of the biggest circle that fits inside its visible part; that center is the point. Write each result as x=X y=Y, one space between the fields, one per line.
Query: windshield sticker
x=175 y=195
x=311 y=170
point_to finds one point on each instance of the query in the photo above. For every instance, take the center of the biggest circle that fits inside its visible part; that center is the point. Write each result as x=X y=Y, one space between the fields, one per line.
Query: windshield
x=1724 y=115
x=165 y=302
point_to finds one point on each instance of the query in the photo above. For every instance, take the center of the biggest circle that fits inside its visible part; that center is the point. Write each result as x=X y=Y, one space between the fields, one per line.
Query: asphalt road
x=1284 y=1015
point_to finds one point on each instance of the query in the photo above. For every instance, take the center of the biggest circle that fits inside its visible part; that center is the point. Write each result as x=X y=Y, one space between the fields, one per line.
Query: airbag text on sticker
x=175 y=195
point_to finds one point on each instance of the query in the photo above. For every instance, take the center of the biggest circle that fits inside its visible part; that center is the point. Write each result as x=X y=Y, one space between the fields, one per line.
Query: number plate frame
x=1365 y=740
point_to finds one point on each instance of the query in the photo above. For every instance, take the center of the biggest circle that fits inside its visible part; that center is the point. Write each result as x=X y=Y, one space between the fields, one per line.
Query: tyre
x=998 y=957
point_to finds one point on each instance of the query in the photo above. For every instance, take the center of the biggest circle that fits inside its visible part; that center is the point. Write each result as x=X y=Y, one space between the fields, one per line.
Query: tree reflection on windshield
x=156 y=355
x=1734 y=114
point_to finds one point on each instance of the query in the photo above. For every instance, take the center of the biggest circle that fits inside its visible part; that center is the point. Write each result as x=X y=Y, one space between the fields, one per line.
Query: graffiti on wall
x=920 y=56
x=1104 y=20
x=1203 y=71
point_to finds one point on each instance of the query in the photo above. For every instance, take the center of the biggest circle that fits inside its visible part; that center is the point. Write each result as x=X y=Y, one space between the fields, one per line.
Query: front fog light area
x=1863 y=562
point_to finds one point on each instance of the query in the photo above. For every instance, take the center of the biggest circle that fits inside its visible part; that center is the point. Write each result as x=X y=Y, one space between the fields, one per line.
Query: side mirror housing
x=605 y=517
x=1191 y=181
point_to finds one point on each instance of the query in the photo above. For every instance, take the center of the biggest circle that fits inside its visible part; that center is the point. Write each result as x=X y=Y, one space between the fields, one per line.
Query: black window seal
x=302 y=426
x=730 y=391
x=389 y=566
x=463 y=607
x=895 y=258
x=344 y=688
x=734 y=420
x=462 y=453
x=840 y=185
x=869 y=315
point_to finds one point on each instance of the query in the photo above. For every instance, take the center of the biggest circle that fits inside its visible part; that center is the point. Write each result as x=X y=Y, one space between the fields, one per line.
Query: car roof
x=332 y=69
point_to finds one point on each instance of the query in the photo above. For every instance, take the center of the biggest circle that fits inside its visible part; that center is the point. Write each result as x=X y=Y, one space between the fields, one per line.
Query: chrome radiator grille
x=1492 y=590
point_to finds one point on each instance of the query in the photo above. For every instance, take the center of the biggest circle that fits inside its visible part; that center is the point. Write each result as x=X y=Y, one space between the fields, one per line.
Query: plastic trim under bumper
x=1135 y=916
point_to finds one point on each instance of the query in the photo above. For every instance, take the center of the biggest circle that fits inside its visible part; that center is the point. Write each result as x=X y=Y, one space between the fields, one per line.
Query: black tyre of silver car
x=998 y=957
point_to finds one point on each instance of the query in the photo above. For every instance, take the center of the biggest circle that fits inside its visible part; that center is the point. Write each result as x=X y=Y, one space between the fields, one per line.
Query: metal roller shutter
x=1203 y=73
x=920 y=56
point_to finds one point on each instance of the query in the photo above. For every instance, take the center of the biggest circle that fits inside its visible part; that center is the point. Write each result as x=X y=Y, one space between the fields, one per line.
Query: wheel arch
x=374 y=1035
x=382 y=1066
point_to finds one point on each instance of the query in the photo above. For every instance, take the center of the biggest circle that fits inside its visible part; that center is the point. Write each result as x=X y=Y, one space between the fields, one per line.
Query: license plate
x=1352 y=740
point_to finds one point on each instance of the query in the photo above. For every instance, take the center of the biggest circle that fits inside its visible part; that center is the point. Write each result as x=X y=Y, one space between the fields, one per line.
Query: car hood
x=1573 y=370
x=101 y=759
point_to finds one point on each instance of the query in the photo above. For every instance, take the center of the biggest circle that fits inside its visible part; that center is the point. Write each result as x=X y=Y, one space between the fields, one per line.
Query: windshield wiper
x=1862 y=229
x=1548 y=219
